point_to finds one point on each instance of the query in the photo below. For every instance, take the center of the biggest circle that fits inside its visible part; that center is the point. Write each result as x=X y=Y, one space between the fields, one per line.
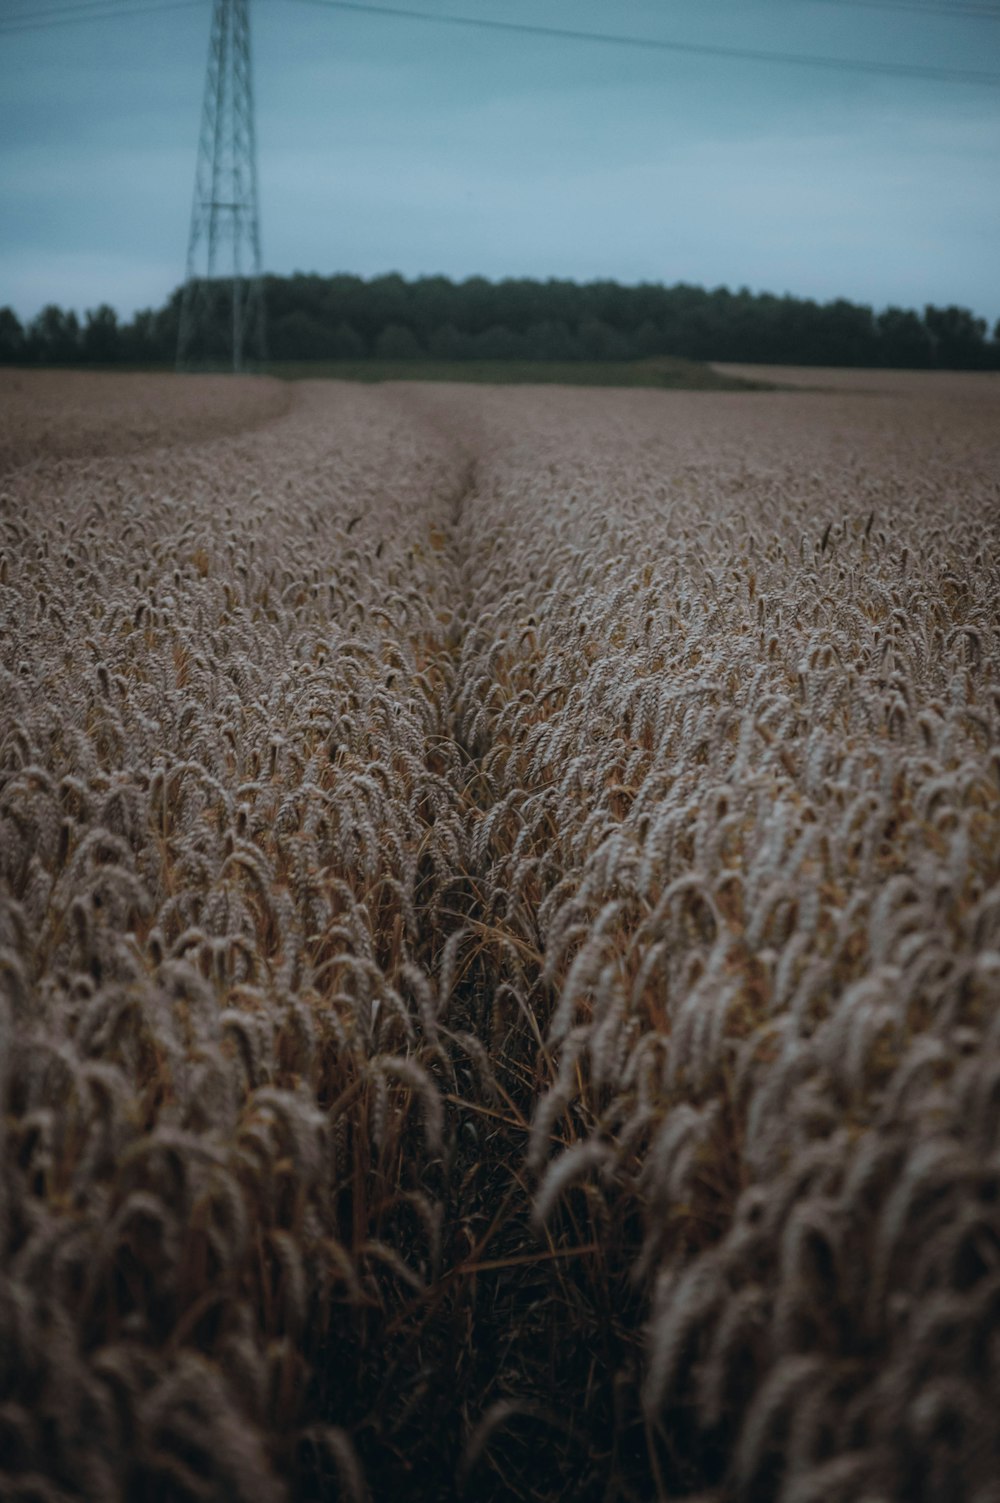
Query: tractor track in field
x=520 y=1312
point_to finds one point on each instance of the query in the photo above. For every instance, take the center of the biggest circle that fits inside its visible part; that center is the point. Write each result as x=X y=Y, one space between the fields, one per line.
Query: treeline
x=348 y=317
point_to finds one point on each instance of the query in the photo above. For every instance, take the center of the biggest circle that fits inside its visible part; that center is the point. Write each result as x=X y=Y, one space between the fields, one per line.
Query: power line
x=96 y=10
x=36 y=14
x=915 y=7
x=966 y=8
x=74 y=15
x=657 y=44
x=925 y=7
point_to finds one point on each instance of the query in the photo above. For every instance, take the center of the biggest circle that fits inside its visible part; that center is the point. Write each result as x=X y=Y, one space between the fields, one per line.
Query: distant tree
x=476 y=307
x=385 y=304
x=396 y=342
x=958 y=338
x=845 y=334
x=54 y=336
x=647 y=339
x=904 y=339
x=449 y=343
x=299 y=336
x=346 y=343
x=311 y=317
x=101 y=342
x=687 y=322
x=551 y=339
x=151 y=337
x=12 y=345
x=599 y=341
x=431 y=306
x=500 y=343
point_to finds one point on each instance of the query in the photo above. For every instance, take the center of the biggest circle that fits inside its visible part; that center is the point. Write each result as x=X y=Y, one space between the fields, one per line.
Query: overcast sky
x=397 y=145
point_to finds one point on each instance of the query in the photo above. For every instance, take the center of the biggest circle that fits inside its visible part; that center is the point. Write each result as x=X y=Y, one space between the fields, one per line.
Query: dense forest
x=347 y=317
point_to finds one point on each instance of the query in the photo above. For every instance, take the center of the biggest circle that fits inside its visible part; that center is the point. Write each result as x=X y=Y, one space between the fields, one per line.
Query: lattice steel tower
x=224 y=215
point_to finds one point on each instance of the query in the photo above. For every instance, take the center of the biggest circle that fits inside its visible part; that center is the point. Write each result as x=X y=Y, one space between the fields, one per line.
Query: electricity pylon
x=224 y=212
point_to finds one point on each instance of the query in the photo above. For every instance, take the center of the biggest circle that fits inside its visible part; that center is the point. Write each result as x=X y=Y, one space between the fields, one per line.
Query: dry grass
x=500 y=948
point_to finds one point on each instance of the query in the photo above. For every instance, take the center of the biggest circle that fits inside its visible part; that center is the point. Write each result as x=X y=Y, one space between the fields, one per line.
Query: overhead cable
x=75 y=15
x=662 y=44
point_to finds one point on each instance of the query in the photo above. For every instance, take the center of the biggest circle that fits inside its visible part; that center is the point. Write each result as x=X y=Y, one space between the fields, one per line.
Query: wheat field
x=499 y=942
